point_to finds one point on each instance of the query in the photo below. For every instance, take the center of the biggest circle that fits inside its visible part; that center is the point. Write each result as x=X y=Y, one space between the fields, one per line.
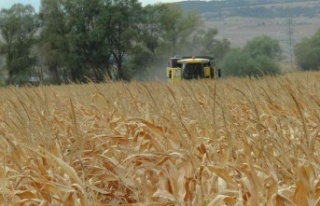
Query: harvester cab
x=195 y=67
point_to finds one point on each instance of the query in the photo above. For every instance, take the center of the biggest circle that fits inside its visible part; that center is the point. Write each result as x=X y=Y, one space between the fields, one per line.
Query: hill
x=240 y=21
x=258 y=9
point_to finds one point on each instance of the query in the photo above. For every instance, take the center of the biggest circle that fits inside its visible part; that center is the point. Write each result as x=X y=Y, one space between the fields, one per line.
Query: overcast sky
x=36 y=3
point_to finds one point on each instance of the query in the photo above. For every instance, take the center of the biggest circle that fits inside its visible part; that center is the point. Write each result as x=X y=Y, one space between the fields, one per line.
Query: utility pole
x=291 y=41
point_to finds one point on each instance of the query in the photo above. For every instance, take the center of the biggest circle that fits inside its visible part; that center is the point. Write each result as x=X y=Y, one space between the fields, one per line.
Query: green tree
x=257 y=58
x=88 y=38
x=140 y=62
x=307 y=52
x=206 y=43
x=53 y=45
x=263 y=45
x=93 y=38
x=76 y=37
x=145 y=52
x=177 y=28
x=18 y=26
x=164 y=30
x=151 y=26
x=124 y=28
x=237 y=63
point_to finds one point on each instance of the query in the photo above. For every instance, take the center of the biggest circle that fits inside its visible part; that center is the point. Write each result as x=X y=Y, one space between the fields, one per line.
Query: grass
x=232 y=142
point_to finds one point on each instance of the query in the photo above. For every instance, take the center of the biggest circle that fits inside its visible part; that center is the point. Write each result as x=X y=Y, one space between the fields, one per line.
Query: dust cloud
x=152 y=73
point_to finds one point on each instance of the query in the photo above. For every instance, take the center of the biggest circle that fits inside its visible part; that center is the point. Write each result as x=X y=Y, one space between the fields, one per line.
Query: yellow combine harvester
x=195 y=67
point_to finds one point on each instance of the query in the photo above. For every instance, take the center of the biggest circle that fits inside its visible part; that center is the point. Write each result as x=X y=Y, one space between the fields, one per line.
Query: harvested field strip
x=233 y=142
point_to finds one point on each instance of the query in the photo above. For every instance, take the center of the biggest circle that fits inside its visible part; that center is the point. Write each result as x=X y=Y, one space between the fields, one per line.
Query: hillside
x=263 y=9
x=240 y=21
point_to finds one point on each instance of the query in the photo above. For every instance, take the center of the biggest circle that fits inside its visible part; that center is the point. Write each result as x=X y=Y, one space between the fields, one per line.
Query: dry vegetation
x=232 y=142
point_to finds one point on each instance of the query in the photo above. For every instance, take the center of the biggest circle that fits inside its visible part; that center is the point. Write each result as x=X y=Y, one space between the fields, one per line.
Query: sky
x=36 y=3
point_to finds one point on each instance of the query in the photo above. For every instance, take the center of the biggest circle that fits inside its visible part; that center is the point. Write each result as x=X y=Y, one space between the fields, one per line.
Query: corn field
x=226 y=142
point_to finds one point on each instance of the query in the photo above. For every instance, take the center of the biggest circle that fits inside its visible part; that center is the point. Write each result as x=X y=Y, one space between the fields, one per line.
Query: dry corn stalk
x=231 y=142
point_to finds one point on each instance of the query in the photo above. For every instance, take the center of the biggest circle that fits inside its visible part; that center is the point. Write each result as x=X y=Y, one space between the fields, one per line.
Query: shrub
x=307 y=52
x=257 y=58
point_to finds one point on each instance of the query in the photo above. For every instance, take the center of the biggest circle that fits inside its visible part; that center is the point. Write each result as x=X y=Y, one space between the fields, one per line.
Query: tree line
x=80 y=40
x=261 y=55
